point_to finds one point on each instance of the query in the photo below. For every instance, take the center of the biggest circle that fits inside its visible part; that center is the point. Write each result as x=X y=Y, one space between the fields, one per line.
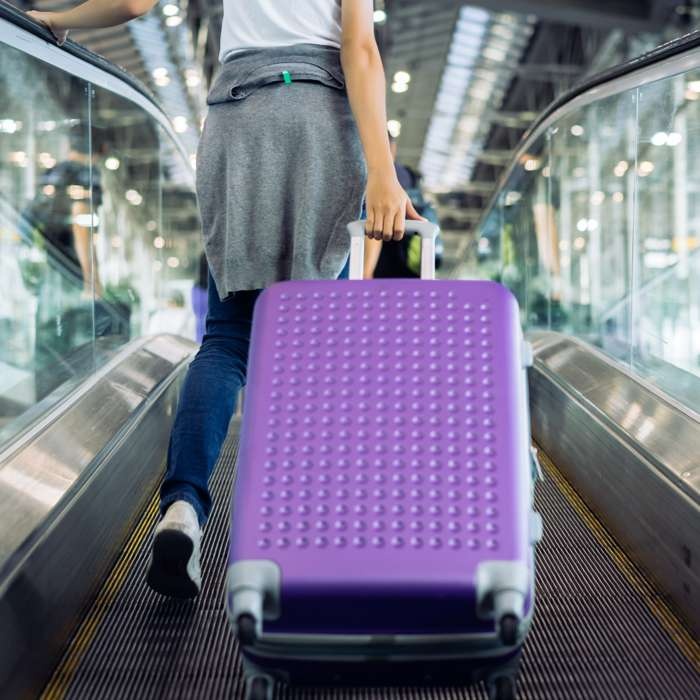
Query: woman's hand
x=388 y=206
x=48 y=19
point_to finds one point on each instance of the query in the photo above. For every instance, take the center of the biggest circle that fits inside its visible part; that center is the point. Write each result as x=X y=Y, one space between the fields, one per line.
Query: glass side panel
x=46 y=302
x=126 y=165
x=177 y=249
x=667 y=319
x=597 y=231
x=592 y=192
x=99 y=234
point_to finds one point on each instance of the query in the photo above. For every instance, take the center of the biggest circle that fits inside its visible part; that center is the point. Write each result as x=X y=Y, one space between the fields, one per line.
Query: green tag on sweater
x=287 y=77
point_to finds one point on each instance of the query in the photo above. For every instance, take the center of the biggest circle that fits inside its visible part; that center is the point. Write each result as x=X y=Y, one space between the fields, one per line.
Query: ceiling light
x=8 y=126
x=646 y=167
x=159 y=72
x=180 y=124
x=692 y=95
x=579 y=243
x=173 y=261
x=531 y=164
x=582 y=225
x=133 y=197
x=394 y=127
x=379 y=16
x=597 y=198
x=674 y=138
x=47 y=160
x=694 y=86
x=399 y=87
x=170 y=10
x=159 y=242
x=174 y=21
x=577 y=130
x=112 y=163
x=402 y=76
x=618 y=197
x=659 y=138
x=192 y=78
x=18 y=158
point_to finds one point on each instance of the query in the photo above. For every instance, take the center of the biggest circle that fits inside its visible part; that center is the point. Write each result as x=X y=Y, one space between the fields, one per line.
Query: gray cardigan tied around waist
x=280 y=168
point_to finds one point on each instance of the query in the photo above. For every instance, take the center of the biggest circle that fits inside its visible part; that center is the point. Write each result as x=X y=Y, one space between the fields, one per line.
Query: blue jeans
x=208 y=399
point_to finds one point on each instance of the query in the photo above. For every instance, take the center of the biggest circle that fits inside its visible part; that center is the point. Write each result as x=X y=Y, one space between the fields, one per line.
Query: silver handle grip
x=427 y=230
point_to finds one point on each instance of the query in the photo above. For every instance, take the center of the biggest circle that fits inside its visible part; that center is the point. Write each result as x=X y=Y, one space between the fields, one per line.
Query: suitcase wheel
x=509 y=629
x=502 y=688
x=258 y=688
x=247 y=629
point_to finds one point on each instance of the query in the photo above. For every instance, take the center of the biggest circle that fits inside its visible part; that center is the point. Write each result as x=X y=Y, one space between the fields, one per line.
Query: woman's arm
x=92 y=14
x=387 y=204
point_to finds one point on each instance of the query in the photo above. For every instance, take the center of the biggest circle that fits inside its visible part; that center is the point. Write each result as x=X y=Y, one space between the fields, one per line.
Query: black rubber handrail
x=660 y=53
x=672 y=48
x=23 y=21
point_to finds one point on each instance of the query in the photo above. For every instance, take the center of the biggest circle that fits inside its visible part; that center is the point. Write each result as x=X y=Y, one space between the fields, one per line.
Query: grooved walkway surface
x=593 y=635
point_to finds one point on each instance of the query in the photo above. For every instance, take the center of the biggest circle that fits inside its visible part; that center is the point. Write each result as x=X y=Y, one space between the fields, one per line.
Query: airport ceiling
x=479 y=72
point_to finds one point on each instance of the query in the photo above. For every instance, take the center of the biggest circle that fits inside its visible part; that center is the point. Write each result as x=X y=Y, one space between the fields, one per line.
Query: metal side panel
x=631 y=454
x=104 y=450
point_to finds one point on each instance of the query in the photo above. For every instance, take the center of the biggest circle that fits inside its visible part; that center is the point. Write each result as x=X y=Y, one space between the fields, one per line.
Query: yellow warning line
x=63 y=676
x=659 y=608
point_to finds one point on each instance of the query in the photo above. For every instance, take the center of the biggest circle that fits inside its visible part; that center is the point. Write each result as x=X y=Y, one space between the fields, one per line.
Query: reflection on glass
x=46 y=271
x=99 y=233
x=597 y=231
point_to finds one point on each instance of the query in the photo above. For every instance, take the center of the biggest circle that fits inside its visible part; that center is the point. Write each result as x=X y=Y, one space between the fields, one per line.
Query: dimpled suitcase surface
x=384 y=482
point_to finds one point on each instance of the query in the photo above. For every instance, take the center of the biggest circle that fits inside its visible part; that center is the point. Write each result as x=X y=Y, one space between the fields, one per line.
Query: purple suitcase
x=383 y=526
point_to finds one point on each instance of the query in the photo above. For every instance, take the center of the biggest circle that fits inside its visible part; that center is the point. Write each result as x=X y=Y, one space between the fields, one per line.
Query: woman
x=295 y=134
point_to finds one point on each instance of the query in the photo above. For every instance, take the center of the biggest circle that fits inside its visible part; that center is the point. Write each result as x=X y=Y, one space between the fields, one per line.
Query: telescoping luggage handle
x=427 y=230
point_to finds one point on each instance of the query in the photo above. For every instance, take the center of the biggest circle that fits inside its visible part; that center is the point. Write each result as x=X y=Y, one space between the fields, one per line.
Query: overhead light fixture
x=674 y=138
x=402 y=76
x=646 y=167
x=173 y=262
x=618 y=197
x=379 y=16
x=577 y=130
x=133 y=197
x=394 y=127
x=112 y=163
x=659 y=138
x=159 y=242
x=159 y=72
x=173 y=21
x=180 y=124
x=170 y=10
x=694 y=86
x=399 y=87
x=192 y=77
x=597 y=198
x=621 y=168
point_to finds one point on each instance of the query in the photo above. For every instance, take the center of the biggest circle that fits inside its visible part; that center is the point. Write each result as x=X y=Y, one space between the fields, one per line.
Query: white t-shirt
x=270 y=23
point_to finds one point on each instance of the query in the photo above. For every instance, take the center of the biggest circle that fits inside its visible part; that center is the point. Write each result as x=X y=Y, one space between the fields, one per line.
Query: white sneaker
x=174 y=569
